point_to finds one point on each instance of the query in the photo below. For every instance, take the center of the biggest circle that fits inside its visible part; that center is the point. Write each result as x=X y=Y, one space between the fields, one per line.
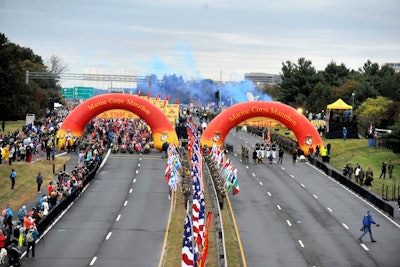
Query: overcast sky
x=203 y=38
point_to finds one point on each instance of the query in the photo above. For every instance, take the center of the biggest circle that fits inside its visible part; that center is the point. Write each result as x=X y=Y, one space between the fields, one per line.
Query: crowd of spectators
x=29 y=144
x=34 y=140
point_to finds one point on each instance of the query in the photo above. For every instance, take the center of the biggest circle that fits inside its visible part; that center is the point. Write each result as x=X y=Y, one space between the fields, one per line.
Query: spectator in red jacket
x=2 y=240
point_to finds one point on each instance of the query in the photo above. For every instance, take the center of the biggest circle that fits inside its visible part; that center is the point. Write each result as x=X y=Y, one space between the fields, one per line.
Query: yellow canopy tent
x=339 y=111
x=339 y=104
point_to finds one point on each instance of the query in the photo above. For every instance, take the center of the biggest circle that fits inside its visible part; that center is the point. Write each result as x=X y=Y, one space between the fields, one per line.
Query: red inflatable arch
x=219 y=127
x=162 y=129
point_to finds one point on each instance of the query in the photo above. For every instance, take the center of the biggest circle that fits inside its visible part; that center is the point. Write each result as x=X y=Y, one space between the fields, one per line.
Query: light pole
x=352 y=100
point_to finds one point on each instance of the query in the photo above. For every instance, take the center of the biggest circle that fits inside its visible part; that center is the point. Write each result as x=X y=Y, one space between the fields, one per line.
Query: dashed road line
x=137 y=171
x=364 y=247
x=315 y=196
x=260 y=183
x=130 y=191
x=302 y=185
x=118 y=217
x=301 y=243
x=345 y=226
x=108 y=235
x=134 y=180
x=288 y=222
x=269 y=194
x=93 y=261
x=125 y=203
x=279 y=207
x=330 y=210
x=292 y=176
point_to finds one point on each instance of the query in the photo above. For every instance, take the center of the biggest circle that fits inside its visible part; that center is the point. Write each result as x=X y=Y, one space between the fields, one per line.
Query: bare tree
x=56 y=65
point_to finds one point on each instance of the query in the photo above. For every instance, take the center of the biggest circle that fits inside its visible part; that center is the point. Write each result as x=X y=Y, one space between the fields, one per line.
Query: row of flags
x=226 y=169
x=195 y=236
x=196 y=225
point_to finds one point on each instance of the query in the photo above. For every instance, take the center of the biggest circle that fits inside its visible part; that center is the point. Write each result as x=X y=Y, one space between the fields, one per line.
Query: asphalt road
x=294 y=215
x=287 y=215
x=120 y=220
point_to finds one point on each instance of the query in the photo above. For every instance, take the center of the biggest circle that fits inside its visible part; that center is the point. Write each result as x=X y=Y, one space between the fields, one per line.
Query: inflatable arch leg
x=162 y=129
x=220 y=126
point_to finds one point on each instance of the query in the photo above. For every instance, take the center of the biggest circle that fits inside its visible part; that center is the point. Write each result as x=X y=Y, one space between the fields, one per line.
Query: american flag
x=198 y=207
x=187 y=244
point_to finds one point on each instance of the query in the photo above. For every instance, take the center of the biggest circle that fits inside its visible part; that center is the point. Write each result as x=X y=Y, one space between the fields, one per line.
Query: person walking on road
x=39 y=181
x=255 y=157
x=367 y=221
x=280 y=155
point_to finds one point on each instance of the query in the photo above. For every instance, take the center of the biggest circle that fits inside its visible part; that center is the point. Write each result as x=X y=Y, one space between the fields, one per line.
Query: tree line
x=372 y=90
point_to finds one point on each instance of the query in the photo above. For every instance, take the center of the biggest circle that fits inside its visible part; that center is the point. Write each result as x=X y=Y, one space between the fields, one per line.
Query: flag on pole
x=187 y=244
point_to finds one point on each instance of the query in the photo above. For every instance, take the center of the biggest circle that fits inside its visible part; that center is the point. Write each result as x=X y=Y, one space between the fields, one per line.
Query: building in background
x=262 y=79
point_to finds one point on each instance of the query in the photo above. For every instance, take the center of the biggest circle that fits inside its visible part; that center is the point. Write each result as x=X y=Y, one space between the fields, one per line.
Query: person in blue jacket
x=367 y=221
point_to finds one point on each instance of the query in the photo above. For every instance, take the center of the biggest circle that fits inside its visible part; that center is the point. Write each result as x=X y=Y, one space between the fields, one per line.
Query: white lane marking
x=315 y=196
x=93 y=261
x=292 y=176
x=134 y=180
x=302 y=185
x=289 y=223
x=125 y=203
x=282 y=168
x=345 y=226
x=330 y=210
x=118 y=217
x=137 y=171
x=260 y=183
x=130 y=191
x=279 y=207
x=301 y=243
x=269 y=194
x=247 y=166
x=364 y=247
x=138 y=165
x=108 y=235
x=253 y=174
